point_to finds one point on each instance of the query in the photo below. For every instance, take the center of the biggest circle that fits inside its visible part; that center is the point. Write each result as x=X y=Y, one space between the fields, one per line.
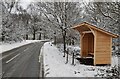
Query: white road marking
x=26 y=49
x=10 y=54
x=12 y=58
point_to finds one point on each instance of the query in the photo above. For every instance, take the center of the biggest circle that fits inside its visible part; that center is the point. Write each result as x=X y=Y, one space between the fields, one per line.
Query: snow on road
x=55 y=65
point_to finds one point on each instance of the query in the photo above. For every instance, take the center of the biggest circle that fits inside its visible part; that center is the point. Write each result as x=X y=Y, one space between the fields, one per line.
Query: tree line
x=53 y=20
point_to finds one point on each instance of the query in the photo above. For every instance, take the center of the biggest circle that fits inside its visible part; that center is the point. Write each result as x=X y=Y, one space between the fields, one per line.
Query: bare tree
x=61 y=15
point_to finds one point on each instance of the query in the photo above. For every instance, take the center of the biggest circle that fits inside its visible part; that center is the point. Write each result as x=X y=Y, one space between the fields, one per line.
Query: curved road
x=22 y=62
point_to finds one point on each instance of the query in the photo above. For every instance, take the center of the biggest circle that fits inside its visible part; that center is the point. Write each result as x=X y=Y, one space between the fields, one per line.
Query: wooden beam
x=87 y=32
x=102 y=30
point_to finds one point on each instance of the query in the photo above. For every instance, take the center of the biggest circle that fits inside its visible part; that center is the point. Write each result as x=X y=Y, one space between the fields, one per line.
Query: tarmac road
x=22 y=62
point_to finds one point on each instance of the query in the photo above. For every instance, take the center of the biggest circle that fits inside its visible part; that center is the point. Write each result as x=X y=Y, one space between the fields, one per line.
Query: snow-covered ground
x=55 y=65
x=7 y=46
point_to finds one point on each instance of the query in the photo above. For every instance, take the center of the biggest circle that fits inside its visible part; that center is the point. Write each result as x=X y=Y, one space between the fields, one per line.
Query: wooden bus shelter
x=95 y=42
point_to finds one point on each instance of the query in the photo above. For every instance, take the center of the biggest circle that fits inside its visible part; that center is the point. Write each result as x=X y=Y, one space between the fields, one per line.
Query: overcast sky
x=25 y=3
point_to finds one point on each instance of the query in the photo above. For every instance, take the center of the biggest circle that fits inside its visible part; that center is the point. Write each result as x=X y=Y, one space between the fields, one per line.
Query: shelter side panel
x=103 y=49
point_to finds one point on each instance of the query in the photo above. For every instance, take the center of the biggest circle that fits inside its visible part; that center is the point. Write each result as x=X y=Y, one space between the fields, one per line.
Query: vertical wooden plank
x=85 y=45
x=110 y=49
x=91 y=43
x=81 y=44
x=95 y=44
x=81 y=51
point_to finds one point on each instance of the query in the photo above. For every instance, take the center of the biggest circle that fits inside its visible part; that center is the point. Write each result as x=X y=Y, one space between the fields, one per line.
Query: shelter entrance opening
x=87 y=45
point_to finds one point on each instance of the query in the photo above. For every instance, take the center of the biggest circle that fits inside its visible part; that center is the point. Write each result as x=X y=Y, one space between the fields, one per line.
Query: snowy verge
x=41 y=62
x=55 y=65
x=7 y=46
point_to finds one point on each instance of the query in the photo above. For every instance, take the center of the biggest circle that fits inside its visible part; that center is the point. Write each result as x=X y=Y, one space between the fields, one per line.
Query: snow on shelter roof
x=95 y=28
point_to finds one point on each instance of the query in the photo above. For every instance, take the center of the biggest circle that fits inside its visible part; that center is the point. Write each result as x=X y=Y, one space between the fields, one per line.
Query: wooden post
x=73 y=59
x=55 y=38
x=67 y=56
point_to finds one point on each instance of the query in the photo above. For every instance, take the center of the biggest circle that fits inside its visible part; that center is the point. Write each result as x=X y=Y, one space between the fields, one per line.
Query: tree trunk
x=64 y=30
x=119 y=37
x=55 y=40
x=40 y=36
x=34 y=35
x=73 y=42
x=70 y=41
x=3 y=37
x=67 y=56
x=26 y=36
x=64 y=43
x=44 y=35
x=119 y=51
x=119 y=42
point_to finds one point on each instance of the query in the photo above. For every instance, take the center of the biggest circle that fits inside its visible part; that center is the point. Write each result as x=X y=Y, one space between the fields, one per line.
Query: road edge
x=41 y=62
